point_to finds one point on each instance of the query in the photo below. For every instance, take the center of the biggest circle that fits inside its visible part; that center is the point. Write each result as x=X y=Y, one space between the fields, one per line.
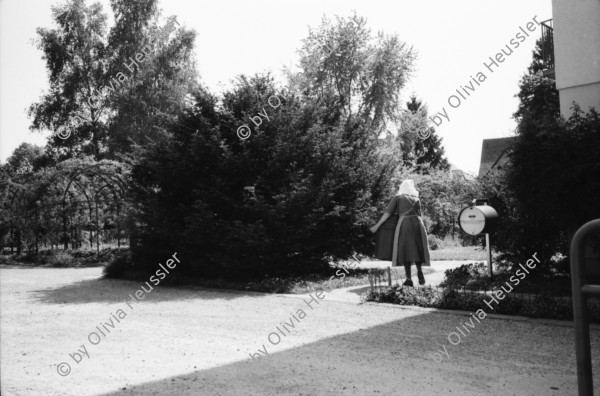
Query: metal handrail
x=580 y=310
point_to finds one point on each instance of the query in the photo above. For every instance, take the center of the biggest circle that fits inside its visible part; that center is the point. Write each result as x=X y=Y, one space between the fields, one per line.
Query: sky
x=453 y=40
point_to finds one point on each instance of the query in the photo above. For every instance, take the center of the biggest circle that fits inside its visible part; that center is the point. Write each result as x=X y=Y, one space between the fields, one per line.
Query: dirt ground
x=197 y=342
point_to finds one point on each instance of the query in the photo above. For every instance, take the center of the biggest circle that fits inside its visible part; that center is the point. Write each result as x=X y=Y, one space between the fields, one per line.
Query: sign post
x=488 y=249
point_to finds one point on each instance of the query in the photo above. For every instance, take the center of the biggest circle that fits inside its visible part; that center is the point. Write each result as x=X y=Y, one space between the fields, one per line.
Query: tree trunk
x=97 y=231
x=66 y=241
x=18 y=241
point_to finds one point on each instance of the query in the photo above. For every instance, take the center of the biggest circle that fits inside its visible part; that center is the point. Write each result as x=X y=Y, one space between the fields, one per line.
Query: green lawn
x=451 y=249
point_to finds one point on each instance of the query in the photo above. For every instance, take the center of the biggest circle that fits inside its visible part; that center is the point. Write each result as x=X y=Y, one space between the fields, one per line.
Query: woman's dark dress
x=410 y=238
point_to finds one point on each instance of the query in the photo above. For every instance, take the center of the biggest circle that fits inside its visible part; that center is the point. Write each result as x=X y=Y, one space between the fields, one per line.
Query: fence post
x=389 y=271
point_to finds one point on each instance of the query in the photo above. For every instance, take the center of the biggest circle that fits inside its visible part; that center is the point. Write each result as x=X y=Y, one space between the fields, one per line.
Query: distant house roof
x=459 y=173
x=494 y=154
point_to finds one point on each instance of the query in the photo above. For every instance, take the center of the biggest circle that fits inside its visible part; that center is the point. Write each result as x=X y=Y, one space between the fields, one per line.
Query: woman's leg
x=408 y=281
x=407 y=269
x=420 y=274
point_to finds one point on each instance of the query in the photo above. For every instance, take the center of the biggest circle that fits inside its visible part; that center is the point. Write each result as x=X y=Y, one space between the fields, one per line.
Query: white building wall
x=577 y=53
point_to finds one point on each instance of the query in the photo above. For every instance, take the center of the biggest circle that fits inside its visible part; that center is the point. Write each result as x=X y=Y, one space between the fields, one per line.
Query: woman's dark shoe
x=421 y=278
x=408 y=282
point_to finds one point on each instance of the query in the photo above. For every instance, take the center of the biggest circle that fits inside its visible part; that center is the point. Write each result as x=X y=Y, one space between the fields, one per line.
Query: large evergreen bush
x=296 y=194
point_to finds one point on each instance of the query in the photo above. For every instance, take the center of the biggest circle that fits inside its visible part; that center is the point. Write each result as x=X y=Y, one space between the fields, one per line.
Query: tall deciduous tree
x=157 y=86
x=26 y=156
x=355 y=73
x=74 y=53
x=99 y=90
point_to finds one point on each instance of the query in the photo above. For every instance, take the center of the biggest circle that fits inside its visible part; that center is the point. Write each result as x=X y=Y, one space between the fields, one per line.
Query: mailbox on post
x=477 y=219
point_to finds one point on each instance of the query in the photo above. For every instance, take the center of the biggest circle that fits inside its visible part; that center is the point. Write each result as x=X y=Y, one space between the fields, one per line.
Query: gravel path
x=197 y=342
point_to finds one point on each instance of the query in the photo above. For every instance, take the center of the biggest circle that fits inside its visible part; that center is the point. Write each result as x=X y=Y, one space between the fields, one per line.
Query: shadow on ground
x=113 y=291
x=371 y=361
x=360 y=291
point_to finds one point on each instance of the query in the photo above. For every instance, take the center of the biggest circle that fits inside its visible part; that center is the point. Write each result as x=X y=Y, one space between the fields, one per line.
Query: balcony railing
x=548 y=47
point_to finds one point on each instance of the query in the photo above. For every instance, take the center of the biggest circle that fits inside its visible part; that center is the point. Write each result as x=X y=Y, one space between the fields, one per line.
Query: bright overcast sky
x=452 y=38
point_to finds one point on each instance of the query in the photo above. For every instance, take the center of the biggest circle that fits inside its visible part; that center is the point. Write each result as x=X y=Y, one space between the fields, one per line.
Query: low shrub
x=542 y=306
x=118 y=265
x=548 y=307
x=467 y=275
x=271 y=285
x=475 y=277
x=433 y=242
x=422 y=297
x=516 y=306
x=452 y=299
x=67 y=258
x=60 y=259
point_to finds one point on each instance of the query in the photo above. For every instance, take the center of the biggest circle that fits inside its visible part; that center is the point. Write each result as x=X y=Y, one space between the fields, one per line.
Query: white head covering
x=408 y=188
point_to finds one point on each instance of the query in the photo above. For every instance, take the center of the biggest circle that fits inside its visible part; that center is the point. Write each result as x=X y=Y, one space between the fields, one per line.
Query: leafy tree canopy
x=106 y=102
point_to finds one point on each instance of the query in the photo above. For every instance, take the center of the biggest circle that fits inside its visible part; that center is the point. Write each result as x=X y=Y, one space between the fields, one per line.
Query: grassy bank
x=334 y=279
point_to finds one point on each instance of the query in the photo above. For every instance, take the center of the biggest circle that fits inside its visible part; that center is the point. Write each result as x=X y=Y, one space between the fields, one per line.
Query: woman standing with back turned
x=410 y=237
